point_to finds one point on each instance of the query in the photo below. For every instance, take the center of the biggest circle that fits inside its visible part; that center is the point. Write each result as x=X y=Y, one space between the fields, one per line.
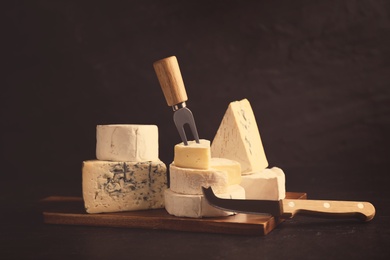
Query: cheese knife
x=287 y=208
x=172 y=85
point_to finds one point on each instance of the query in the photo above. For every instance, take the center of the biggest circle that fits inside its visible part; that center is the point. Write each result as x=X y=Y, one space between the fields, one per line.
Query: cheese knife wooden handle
x=364 y=211
x=287 y=208
x=171 y=81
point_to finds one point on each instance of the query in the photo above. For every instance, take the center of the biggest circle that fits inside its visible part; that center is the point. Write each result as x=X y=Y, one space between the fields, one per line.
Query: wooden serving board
x=70 y=211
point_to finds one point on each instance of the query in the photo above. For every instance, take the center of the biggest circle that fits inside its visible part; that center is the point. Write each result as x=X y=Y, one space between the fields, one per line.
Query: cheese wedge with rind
x=238 y=138
x=190 y=181
x=221 y=174
x=196 y=206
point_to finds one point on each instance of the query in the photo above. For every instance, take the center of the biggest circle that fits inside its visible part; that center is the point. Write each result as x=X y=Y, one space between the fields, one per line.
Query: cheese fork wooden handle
x=323 y=208
x=171 y=81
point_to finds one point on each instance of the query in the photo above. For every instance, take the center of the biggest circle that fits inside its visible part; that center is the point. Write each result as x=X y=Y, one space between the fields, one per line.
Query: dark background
x=317 y=74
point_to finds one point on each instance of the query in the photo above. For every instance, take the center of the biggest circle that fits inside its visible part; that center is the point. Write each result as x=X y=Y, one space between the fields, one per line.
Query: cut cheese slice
x=238 y=138
x=123 y=186
x=268 y=184
x=193 y=155
x=132 y=143
x=196 y=206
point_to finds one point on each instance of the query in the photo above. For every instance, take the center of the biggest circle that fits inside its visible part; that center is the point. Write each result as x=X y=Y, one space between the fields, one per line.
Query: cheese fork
x=172 y=85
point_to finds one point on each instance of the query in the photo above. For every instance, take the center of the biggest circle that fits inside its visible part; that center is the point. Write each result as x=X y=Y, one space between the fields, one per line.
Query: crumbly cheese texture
x=190 y=181
x=123 y=186
x=128 y=143
x=268 y=184
x=193 y=155
x=231 y=167
x=238 y=138
x=196 y=206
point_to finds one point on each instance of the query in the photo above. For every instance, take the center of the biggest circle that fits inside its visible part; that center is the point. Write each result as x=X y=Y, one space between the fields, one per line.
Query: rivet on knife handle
x=172 y=85
x=362 y=210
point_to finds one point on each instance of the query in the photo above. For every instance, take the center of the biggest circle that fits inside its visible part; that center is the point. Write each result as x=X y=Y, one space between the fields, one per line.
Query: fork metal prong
x=184 y=116
x=182 y=133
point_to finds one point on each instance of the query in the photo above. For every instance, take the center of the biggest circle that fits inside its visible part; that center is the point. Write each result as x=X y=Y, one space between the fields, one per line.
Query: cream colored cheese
x=233 y=169
x=134 y=143
x=238 y=138
x=193 y=155
x=123 y=186
x=268 y=184
x=190 y=181
x=196 y=206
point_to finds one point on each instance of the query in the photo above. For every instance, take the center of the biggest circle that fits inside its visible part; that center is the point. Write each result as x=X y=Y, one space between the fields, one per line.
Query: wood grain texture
x=171 y=81
x=70 y=211
x=361 y=210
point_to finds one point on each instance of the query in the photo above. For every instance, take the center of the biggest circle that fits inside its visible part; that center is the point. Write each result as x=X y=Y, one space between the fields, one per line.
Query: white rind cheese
x=193 y=155
x=196 y=206
x=268 y=184
x=190 y=181
x=128 y=143
x=238 y=138
x=123 y=186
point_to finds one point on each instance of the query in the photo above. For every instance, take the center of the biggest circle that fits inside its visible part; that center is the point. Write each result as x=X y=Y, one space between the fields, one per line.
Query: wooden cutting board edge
x=70 y=211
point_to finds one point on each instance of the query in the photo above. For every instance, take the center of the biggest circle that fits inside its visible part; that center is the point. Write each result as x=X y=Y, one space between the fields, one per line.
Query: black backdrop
x=317 y=74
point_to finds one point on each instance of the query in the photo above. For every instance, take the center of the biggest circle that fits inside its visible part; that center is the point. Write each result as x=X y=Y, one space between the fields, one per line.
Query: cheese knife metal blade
x=172 y=85
x=287 y=208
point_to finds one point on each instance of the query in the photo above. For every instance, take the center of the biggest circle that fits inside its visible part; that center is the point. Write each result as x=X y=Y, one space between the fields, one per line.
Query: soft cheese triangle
x=194 y=155
x=268 y=184
x=196 y=206
x=135 y=143
x=238 y=138
x=123 y=186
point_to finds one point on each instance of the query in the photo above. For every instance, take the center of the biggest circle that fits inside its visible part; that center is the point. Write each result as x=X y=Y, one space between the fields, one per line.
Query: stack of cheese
x=128 y=174
x=193 y=168
x=238 y=138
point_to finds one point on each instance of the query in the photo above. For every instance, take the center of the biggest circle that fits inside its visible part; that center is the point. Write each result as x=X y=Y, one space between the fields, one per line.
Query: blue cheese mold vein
x=123 y=186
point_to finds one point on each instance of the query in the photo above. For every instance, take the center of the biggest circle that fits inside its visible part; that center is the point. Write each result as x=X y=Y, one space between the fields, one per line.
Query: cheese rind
x=196 y=206
x=132 y=143
x=233 y=169
x=238 y=138
x=190 y=181
x=268 y=184
x=123 y=186
x=193 y=155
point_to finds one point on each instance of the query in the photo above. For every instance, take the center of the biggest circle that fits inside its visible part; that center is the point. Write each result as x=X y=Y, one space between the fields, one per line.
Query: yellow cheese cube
x=193 y=155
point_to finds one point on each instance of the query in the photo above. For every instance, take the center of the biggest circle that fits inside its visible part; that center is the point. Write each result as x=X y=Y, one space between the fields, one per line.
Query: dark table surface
x=316 y=73
x=25 y=236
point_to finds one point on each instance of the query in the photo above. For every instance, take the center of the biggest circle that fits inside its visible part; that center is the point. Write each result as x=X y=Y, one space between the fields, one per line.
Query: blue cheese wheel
x=123 y=186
